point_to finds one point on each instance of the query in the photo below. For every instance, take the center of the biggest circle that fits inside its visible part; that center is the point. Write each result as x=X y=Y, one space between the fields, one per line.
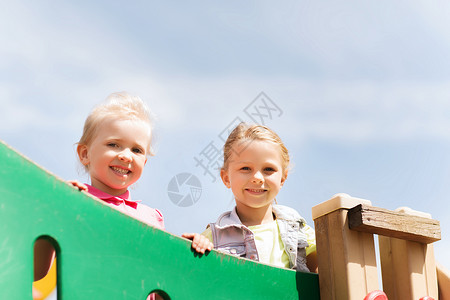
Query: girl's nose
x=258 y=177
x=124 y=155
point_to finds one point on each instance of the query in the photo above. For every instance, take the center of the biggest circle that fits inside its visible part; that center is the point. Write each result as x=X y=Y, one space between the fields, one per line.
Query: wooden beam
x=389 y=223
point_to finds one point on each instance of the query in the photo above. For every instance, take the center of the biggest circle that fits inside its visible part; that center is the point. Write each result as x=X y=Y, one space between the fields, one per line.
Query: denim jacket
x=232 y=237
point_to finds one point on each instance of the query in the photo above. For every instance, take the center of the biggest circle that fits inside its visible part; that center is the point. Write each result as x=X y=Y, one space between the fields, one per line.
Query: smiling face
x=255 y=174
x=117 y=154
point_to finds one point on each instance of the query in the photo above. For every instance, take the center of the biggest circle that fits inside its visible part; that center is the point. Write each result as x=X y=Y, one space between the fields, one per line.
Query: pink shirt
x=133 y=208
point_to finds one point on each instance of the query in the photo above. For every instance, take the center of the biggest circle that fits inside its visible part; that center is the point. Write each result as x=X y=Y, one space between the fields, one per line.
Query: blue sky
x=363 y=89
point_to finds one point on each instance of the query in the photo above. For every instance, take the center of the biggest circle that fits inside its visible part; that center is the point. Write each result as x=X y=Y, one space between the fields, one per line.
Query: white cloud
x=345 y=111
x=358 y=111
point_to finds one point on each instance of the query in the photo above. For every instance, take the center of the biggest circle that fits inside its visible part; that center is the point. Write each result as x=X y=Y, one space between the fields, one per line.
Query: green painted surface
x=104 y=254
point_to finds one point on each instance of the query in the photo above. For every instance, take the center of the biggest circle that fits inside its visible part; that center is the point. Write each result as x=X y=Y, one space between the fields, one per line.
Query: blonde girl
x=255 y=168
x=113 y=149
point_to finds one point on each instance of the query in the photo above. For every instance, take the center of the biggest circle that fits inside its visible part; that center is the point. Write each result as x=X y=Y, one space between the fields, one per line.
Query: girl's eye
x=138 y=151
x=245 y=168
x=269 y=169
x=112 y=145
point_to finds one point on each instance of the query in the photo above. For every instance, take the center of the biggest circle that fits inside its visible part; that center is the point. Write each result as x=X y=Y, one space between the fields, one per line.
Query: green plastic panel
x=104 y=254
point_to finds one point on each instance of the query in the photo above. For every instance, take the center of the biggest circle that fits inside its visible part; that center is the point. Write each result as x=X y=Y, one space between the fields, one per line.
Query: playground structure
x=104 y=254
x=346 y=251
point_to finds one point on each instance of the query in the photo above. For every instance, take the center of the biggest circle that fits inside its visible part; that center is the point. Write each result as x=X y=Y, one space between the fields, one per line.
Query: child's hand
x=77 y=184
x=199 y=242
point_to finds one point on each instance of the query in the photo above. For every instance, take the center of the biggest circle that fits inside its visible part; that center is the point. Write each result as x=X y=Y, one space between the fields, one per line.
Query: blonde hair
x=247 y=133
x=119 y=105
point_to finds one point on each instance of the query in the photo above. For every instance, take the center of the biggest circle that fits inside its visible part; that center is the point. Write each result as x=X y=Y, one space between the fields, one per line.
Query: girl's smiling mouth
x=120 y=171
x=256 y=191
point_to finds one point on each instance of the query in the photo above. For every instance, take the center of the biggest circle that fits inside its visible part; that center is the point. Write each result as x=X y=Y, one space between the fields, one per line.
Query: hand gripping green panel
x=104 y=254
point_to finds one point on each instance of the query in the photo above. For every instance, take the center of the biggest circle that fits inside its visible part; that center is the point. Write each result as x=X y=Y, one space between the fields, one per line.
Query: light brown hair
x=247 y=133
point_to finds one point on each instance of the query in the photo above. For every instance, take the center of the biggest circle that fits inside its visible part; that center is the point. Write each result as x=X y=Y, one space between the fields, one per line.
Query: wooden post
x=408 y=266
x=443 y=276
x=346 y=258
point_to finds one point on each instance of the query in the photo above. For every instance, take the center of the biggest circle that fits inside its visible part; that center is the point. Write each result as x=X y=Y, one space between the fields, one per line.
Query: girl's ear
x=283 y=179
x=82 y=151
x=225 y=178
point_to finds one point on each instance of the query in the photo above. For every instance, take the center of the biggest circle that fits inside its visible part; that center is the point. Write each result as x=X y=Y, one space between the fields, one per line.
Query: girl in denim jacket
x=255 y=168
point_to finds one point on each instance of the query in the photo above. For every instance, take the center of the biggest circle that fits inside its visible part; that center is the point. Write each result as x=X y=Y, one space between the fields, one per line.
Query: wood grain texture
x=393 y=224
